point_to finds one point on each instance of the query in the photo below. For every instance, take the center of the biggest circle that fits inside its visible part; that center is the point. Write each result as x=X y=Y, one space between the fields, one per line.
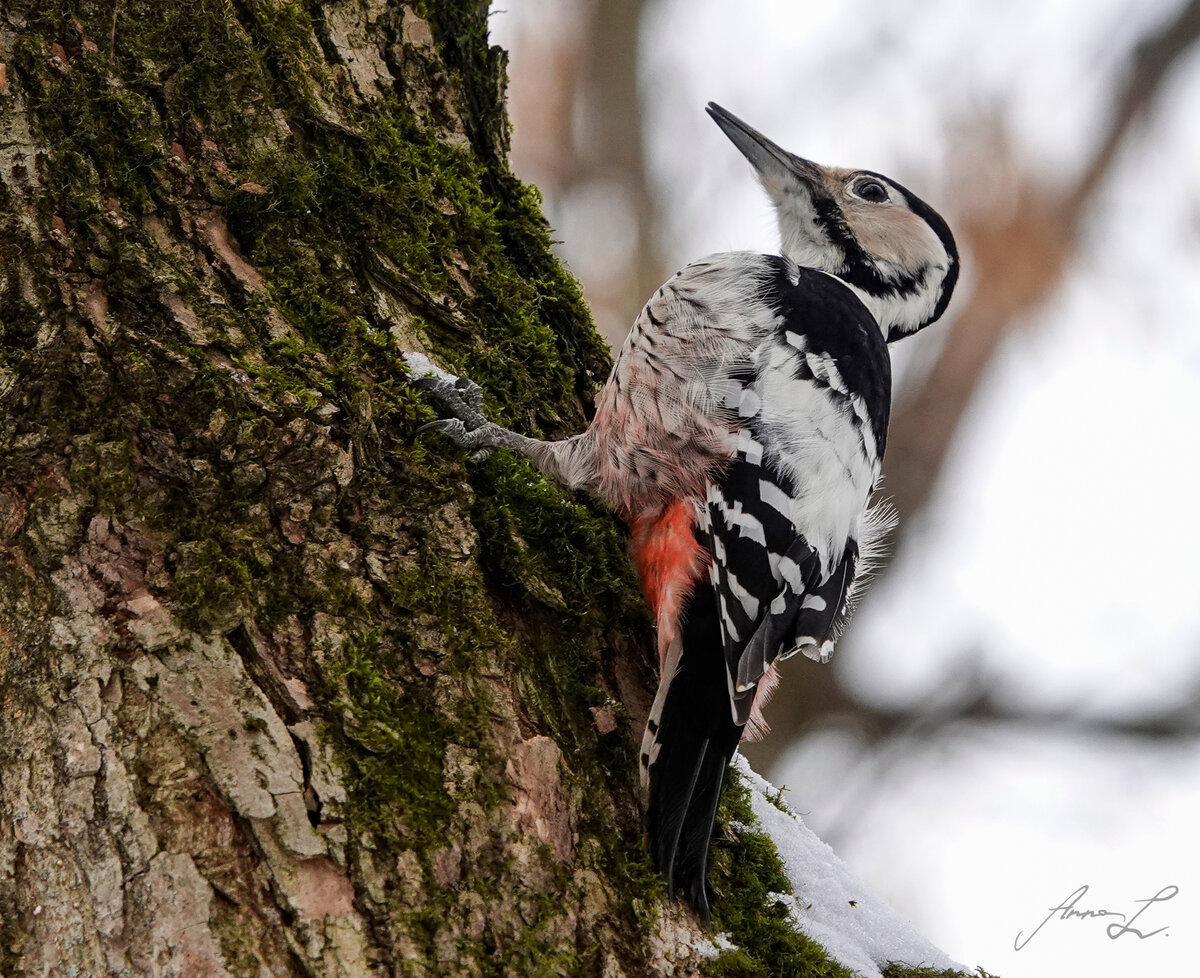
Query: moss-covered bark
x=282 y=690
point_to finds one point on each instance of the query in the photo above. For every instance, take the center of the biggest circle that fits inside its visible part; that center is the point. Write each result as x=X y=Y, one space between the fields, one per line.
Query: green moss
x=540 y=538
x=745 y=869
x=106 y=467
x=20 y=320
x=396 y=721
x=208 y=580
x=458 y=605
x=399 y=737
x=478 y=68
x=377 y=199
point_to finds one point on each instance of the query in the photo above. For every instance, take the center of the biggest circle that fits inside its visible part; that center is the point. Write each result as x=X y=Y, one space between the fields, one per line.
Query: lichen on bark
x=284 y=690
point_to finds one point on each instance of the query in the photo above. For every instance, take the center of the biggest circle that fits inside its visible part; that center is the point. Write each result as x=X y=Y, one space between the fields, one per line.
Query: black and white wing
x=780 y=527
x=784 y=520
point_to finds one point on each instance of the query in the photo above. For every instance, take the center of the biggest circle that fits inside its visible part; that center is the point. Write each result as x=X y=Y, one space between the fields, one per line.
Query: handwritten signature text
x=1069 y=909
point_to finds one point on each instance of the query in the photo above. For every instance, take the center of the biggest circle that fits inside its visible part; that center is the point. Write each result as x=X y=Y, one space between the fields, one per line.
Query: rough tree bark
x=284 y=691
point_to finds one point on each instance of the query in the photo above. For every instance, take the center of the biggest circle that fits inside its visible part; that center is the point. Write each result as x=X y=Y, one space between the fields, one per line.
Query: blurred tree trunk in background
x=1019 y=246
x=282 y=691
x=581 y=136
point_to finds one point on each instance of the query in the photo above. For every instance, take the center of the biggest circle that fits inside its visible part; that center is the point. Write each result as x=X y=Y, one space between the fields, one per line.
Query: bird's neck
x=898 y=313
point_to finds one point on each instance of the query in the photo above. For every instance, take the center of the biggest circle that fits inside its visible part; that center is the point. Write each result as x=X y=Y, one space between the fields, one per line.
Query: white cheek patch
x=800 y=236
x=905 y=248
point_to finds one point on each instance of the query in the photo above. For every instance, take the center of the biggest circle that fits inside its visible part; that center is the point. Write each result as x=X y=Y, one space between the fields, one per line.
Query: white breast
x=810 y=432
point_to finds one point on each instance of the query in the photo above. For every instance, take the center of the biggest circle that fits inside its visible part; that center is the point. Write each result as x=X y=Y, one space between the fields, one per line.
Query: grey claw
x=471 y=392
x=479 y=441
x=452 y=428
x=461 y=397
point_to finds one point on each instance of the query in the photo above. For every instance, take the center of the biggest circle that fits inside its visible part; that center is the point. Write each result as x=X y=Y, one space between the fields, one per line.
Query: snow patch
x=830 y=906
x=715 y=947
x=420 y=366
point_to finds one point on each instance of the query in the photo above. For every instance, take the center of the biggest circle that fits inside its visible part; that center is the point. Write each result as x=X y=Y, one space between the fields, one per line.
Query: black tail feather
x=696 y=839
x=695 y=741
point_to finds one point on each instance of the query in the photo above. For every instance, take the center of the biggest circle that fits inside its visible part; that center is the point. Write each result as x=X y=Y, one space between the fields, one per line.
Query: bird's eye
x=870 y=189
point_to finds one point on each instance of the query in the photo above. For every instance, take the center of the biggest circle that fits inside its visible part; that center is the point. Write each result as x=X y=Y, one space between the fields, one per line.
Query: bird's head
x=889 y=246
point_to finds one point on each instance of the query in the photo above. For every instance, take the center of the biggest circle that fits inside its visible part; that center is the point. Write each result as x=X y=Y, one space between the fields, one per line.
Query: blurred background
x=1015 y=711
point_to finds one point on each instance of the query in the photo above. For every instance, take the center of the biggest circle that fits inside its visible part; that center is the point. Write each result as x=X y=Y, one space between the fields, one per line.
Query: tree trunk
x=284 y=690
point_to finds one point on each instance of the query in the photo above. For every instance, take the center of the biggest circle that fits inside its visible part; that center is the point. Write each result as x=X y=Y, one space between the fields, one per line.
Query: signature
x=1068 y=909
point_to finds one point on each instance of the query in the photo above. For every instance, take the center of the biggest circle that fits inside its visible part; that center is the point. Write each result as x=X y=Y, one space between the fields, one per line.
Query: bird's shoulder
x=772 y=296
x=820 y=315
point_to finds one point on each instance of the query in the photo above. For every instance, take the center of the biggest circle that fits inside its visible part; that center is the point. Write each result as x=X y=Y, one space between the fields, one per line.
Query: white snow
x=829 y=905
x=420 y=366
x=714 y=948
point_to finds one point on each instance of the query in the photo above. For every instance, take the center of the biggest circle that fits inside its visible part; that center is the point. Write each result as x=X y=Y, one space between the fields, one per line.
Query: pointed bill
x=765 y=156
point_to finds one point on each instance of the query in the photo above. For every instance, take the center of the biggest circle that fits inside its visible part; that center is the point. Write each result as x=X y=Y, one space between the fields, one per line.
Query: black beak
x=765 y=156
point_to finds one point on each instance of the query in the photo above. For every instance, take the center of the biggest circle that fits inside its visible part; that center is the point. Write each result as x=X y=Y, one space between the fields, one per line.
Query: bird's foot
x=480 y=441
x=462 y=398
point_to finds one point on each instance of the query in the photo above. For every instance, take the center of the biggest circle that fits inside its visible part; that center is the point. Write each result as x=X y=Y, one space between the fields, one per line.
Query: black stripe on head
x=861 y=272
x=860 y=267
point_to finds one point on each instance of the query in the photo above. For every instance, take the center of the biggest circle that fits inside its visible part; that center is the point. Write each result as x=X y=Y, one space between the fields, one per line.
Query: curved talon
x=450 y=427
x=462 y=398
x=479 y=440
x=471 y=392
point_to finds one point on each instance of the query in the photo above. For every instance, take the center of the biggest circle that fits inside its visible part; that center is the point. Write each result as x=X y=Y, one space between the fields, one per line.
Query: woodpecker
x=740 y=436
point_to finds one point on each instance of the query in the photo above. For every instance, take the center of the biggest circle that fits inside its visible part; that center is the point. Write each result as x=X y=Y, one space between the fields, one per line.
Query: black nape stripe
x=861 y=272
